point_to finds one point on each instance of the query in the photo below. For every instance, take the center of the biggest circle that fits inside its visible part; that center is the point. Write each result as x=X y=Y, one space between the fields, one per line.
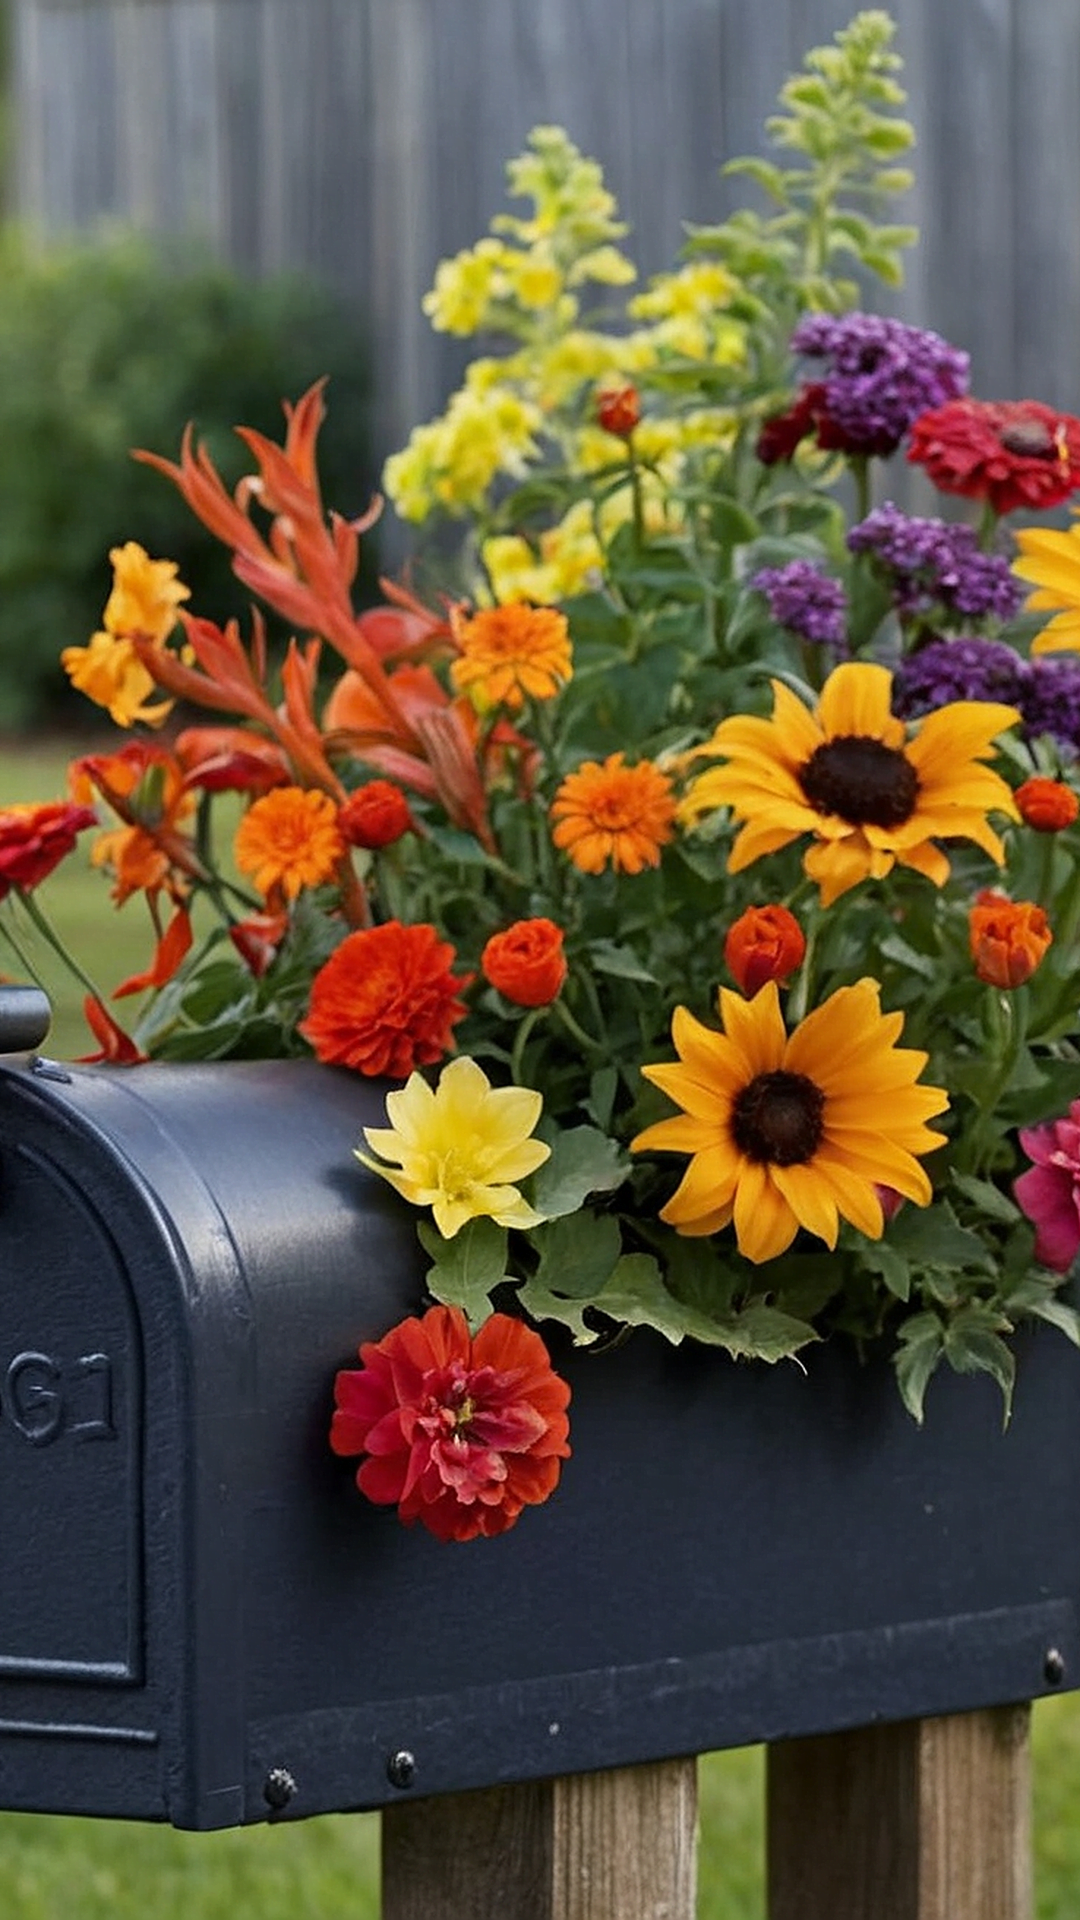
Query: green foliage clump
x=110 y=345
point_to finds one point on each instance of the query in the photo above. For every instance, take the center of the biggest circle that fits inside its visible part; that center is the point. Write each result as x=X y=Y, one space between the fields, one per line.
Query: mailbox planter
x=202 y=1621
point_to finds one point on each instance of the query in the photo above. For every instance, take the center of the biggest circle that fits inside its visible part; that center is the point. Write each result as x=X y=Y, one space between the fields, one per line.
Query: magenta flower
x=1049 y=1192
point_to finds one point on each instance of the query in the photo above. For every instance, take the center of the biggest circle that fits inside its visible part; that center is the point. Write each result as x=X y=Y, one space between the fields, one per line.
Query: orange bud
x=618 y=410
x=526 y=962
x=375 y=815
x=1047 y=805
x=1008 y=939
x=763 y=944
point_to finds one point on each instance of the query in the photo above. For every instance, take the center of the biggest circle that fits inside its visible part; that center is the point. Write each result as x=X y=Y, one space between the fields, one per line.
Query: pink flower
x=1049 y=1192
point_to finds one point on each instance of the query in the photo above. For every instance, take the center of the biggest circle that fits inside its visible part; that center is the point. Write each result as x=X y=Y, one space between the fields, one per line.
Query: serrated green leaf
x=466 y=1269
x=542 y=1304
x=972 y=1349
x=621 y=963
x=894 y=1269
x=583 y=1161
x=578 y=1253
x=988 y=1198
x=921 y=1349
x=933 y=1237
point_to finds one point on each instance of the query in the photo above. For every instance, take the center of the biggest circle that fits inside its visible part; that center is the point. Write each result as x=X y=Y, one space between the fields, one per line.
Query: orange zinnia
x=1008 y=939
x=615 y=813
x=289 y=839
x=386 y=1001
x=1047 y=805
x=508 y=652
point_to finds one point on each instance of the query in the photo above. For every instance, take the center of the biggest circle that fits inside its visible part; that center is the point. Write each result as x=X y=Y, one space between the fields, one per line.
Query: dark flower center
x=862 y=780
x=1029 y=439
x=777 y=1118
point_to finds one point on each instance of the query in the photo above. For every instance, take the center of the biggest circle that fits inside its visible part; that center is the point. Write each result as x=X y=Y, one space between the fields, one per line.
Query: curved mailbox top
x=196 y=1602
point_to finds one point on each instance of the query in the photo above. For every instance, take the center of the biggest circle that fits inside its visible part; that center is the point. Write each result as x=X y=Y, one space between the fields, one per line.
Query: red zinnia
x=764 y=943
x=1013 y=453
x=385 y=1001
x=460 y=1432
x=375 y=815
x=526 y=962
x=34 y=840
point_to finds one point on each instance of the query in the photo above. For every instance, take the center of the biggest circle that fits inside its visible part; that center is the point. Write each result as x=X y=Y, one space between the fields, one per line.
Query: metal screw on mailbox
x=1054 y=1668
x=279 y=1788
x=401 y=1768
x=25 y=1018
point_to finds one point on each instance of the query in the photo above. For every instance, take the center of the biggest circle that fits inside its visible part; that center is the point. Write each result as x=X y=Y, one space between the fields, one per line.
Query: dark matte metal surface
x=734 y=1554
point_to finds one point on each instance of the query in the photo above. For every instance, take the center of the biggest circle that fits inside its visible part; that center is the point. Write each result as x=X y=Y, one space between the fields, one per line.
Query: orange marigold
x=615 y=813
x=385 y=1001
x=1008 y=939
x=1046 y=805
x=508 y=652
x=289 y=839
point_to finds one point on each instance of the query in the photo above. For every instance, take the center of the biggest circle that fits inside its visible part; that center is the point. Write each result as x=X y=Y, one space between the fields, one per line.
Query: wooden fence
x=363 y=139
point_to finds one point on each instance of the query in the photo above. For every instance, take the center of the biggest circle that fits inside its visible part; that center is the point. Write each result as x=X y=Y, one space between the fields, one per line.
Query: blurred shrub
x=110 y=345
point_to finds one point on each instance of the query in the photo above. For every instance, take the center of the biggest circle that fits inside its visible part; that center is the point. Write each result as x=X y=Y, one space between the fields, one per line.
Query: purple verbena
x=948 y=670
x=1051 y=700
x=882 y=375
x=807 y=602
x=937 y=564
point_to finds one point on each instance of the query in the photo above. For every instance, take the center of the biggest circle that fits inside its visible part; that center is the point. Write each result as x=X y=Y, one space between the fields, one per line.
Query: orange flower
x=144 y=784
x=614 y=812
x=385 y=1001
x=1046 y=805
x=618 y=410
x=764 y=943
x=525 y=963
x=375 y=815
x=461 y=1432
x=508 y=652
x=289 y=839
x=1008 y=939
x=34 y=840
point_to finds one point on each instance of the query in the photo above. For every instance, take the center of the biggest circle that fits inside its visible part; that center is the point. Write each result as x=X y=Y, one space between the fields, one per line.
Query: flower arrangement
x=701 y=863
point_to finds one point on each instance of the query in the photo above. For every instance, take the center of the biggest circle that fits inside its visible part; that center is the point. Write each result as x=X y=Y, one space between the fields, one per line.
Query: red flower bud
x=375 y=815
x=1008 y=939
x=525 y=963
x=763 y=944
x=1047 y=805
x=618 y=410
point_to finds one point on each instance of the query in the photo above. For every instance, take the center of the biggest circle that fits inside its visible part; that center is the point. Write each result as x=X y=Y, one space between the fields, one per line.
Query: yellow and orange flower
x=611 y=813
x=145 y=599
x=849 y=773
x=1008 y=939
x=788 y=1131
x=110 y=674
x=508 y=653
x=289 y=839
x=145 y=786
x=146 y=594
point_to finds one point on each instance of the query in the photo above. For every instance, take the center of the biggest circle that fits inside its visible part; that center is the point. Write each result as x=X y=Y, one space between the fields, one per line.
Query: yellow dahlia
x=1050 y=560
x=788 y=1131
x=849 y=773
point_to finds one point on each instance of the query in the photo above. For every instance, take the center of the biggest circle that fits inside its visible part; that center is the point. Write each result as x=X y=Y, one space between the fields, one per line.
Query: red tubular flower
x=764 y=943
x=117 y=1047
x=526 y=962
x=374 y=816
x=1012 y=453
x=460 y=1432
x=385 y=1001
x=1047 y=805
x=34 y=840
x=618 y=410
x=1008 y=939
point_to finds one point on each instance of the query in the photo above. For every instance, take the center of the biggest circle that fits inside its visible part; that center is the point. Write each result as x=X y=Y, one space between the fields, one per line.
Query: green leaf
x=971 y=1347
x=933 y=1237
x=894 y=1269
x=989 y=1199
x=466 y=1269
x=542 y=1304
x=603 y=1086
x=636 y=1295
x=583 y=1161
x=578 y=1253
x=621 y=963
x=922 y=1345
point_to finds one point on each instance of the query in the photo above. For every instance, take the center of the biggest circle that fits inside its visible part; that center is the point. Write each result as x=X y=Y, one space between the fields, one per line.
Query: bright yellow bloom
x=567 y=560
x=510 y=652
x=110 y=674
x=1051 y=561
x=793 y=1131
x=532 y=278
x=289 y=839
x=848 y=774
x=145 y=594
x=459 y=300
x=451 y=462
x=460 y=1148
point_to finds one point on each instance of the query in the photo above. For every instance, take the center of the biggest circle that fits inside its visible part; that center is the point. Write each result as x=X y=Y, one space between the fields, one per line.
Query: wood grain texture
x=926 y=1820
x=600 y=1846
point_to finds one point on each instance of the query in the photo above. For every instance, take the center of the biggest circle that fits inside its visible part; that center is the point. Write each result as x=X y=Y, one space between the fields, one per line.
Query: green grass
x=64 y=1869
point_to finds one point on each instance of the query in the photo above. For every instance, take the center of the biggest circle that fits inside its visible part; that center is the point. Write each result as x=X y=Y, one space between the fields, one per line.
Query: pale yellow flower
x=460 y=1148
x=463 y=288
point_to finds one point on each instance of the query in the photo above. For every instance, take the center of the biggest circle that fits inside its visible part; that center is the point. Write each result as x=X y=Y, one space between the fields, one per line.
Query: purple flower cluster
x=806 y=601
x=1046 y=690
x=882 y=375
x=937 y=564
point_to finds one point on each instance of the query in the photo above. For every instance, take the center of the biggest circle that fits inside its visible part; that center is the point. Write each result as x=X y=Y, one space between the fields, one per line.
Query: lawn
x=64 y=1869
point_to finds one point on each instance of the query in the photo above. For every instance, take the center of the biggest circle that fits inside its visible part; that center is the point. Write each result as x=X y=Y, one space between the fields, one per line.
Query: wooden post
x=591 y=1846
x=926 y=1820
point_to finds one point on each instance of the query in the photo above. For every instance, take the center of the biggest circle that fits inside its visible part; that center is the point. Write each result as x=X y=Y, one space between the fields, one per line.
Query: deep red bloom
x=385 y=1001
x=764 y=943
x=1008 y=939
x=34 y=840
x=460 y=1432
x=258 y=938
x=1013 y=453
x=231 y=760
x=618 y=410
x=781 y=433
x=375 y=815
x=1047 y=805
x=526 y=962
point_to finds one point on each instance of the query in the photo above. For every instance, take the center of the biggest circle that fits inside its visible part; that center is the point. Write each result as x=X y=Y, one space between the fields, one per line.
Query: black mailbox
x=202 y=1621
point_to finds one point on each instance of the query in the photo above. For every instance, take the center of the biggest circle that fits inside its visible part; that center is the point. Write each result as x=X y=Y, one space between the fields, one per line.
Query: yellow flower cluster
x=145 y=598
x=452 y=462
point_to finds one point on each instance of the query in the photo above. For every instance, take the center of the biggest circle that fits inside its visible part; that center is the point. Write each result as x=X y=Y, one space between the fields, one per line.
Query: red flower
x=781 y=433
x=34 y=840
x=1013 y=453
x=385 y=1001
x=618 y=410
x=375 y=815
x=764 y=943
x=1008 y=939
x=1049 y=1192
x=1046 y=805
x=117 y=1047
x=461 y=1433
x=526 y=962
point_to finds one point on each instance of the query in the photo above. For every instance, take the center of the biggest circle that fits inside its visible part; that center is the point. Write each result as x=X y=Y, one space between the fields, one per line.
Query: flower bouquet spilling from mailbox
x=700 y=862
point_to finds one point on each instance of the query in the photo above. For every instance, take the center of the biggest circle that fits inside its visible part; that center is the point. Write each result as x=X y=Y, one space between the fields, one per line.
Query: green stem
x=49 y=934
x=576 y=1032
x=860 y=473
x=521 y=1037
x=23 y=958
x=800 y=992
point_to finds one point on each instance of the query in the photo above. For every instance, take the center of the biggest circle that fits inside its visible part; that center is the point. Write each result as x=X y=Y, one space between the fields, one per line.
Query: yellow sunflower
x=1050 y=560
x=788 y=1131
x=849 y=773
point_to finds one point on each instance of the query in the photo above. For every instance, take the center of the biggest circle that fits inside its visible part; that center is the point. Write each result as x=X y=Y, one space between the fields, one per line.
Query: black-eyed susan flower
x=788 y=1131
x=872 y=794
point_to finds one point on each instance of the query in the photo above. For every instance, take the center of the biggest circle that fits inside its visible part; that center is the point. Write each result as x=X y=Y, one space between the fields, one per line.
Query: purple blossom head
x=1051 y=700
x=948 y=670
x=936 y=564
x=881 y=375
x=806 y=601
